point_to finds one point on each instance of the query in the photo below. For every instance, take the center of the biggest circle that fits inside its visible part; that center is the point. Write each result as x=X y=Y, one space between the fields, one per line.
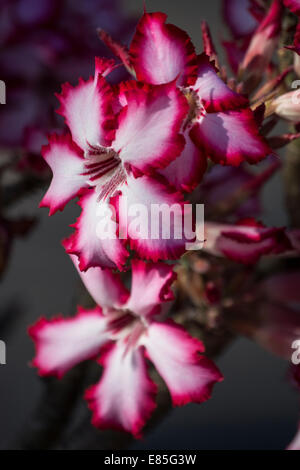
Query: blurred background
x=255 y=407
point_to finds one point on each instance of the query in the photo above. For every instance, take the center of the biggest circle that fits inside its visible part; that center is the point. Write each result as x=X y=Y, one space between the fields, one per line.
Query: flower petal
x=214 y=94
x=245 y=243
x=124 y=397
x=63 y=343
x=186 y=172
x=230 y=137
x=87 y=111
x=93 y=247
x=264 y=41
x=67 y=164
x=140 y=208
x=154 y=280
x=175 y=354
x=148 y=133
x=105 y=287
x=162 y=52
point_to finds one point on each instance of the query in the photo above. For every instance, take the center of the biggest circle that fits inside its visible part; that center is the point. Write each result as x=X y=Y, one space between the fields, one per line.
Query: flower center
x=196 y=110
x=104 y=170
x=125 y=325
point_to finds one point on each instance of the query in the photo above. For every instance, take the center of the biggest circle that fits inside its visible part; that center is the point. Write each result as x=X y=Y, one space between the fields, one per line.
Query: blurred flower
x=145 y=143
x=242 y=17
x=287 y=106
x=262 y=46
x=246 y=241
x=130 y=327
x=293 y=5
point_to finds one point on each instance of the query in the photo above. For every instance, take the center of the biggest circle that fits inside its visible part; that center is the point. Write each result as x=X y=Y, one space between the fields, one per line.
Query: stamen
x=101 y=170
x=111 y=186
x=196 y=111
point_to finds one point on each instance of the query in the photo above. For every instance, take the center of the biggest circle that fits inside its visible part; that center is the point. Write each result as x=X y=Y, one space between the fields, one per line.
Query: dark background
x=254 y=408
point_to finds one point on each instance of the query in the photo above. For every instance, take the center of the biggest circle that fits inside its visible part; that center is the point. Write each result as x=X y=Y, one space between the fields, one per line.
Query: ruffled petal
x=214 y=94
x=154 y=280
x=144 y=201
x=87 y=111
x=63 y=343
x=125 y=396
x=162 y=52
x=95 y=240
x=148 y=134
x=176 y=355
x=67 y=164
x=186 y=172
x=105 y=286
x=230 y=137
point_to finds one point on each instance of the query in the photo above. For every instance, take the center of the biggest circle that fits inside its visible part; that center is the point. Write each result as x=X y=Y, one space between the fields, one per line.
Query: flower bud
x=261 y=48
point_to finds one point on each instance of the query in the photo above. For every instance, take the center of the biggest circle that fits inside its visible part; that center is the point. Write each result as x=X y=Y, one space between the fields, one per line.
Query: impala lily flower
x=147 y=143
x=220 y=123
x=131 y=327
x=107 y=155
x=246 y=241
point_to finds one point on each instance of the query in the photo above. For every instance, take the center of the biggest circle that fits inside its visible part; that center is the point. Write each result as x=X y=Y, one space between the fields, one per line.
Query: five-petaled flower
x=123 y=330
x=146 y=140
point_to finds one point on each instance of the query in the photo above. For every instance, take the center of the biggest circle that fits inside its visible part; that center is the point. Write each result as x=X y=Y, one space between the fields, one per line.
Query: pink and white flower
x=121 y=332
x=145 y=142
x=107 y=153
x=220 y=123
x=224 y=127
